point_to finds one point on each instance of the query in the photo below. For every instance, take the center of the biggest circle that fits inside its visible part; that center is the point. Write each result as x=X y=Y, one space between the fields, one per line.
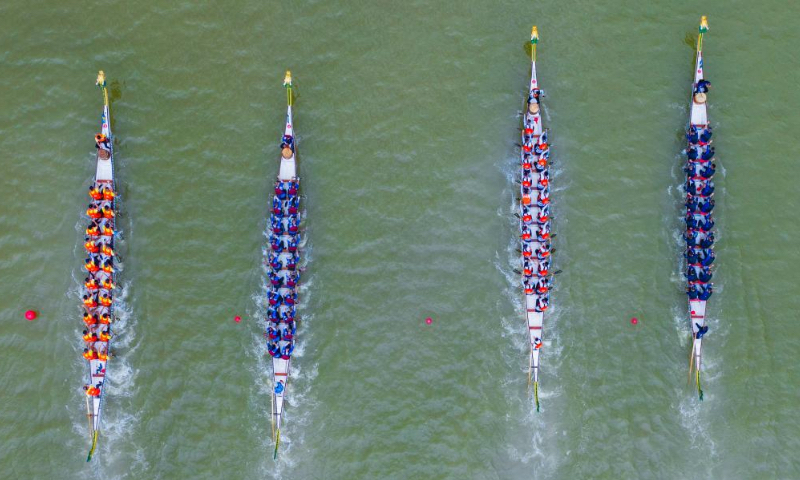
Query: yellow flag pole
x=534 y=41
x=703 y=29
x=101 y=82
x=287 y=82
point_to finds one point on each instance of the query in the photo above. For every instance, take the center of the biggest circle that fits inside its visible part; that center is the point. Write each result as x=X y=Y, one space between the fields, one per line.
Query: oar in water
x=277 y=442
x=94 y=445
x=691 y=361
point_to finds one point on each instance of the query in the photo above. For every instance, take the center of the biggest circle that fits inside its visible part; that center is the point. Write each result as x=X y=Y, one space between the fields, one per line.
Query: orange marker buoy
x=31 y=315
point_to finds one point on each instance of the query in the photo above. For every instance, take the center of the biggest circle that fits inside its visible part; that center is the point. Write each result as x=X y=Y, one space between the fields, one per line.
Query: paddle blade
x=94 y=445
x=277 y=442
x=536 y=394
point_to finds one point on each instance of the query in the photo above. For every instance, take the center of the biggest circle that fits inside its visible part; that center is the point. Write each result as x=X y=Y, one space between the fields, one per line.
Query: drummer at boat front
x=101 y=142
x=702 y=86
x=534 y=96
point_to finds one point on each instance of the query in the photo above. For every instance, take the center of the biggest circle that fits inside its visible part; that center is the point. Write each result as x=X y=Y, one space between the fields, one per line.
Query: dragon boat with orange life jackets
x=284 y=272
x=535 y=221
x=699 y=235
x=99 y=286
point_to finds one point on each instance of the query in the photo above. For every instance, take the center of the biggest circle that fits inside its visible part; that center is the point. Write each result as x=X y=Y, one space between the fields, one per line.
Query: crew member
x=105 y=300
x=91 y=284
x=93 y=211
x=89 y=301
x=701 y=330
x=702 y=86
x=95 y=193
x=542 y=302
x=92 y=391
x=89 y=354
x=101 y=142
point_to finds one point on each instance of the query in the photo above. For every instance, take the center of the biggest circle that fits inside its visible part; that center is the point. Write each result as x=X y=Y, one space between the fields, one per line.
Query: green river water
x=407 y=115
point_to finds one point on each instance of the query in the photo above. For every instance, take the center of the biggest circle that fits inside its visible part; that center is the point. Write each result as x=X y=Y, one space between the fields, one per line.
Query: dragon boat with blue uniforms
x=699 y=235
x=284 y=272
x=534 y=217
x=100 y=287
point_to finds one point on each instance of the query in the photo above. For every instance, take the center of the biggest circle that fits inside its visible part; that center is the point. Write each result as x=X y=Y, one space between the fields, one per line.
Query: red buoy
x=31 y=315
x=428 y=320
x=634 y=320
x=237 y=319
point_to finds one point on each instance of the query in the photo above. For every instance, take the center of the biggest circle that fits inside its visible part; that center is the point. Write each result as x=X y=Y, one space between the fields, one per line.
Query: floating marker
x=31 y=315
x=634 y=320
x=428 y=320
x=237 y=319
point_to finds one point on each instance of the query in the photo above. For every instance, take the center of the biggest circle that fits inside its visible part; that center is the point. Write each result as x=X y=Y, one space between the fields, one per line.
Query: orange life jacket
x=526 y=236
x=106 y=301
x=105 y=319
x=108 y=268
x=95 y=193
x=107 y=251
x=90 y=355
x=107 y=284
x=92 y=231
x=91 y=284
x=108 y=231
x=108 y=212
x=90 y=247
x=102 y=356
x=92 y=392
x=92 y=267
x=527 y=272
x=528 y=291
x=93 y=212
x=89 y=337
x=90 y=303
x=527 y=218
x=105 y=336
x=109 y=194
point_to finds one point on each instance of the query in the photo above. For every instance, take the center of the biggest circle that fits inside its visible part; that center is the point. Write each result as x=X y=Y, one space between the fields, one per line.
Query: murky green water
x=407 y=114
